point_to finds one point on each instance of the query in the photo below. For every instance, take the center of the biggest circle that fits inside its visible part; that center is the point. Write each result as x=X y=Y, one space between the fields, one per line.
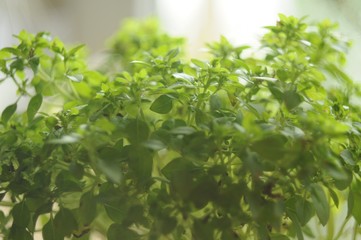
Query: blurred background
x=92 y=21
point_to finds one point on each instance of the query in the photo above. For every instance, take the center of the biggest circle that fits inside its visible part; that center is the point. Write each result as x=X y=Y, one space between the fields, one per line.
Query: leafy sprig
x=233 y=147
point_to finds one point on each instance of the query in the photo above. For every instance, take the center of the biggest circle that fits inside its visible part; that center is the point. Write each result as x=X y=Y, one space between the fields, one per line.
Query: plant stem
x=6 y=204
x=340 y=231
x=355 y=231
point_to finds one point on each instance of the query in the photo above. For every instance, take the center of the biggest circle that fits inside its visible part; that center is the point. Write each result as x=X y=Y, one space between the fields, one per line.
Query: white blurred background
x=93 y=21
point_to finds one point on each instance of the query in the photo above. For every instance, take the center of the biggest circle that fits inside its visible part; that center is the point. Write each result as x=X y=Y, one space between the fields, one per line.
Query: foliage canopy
x=152 y=146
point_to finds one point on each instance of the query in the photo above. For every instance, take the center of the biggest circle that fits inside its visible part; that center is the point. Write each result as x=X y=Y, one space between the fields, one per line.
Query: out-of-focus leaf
x=8 y=112
x=33 y=106
x=320 y=203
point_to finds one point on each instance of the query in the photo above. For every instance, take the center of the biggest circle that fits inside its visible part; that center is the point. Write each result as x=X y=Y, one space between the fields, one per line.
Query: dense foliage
x=250 y=144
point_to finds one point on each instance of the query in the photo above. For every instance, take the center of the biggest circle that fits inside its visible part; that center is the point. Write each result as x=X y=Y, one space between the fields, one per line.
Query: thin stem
x=6 y=204
x=340 y=231
x=355 y=231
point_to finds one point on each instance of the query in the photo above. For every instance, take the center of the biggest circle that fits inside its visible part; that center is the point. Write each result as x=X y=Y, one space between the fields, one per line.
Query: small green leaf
x=270 y=147
x=34 y=64
x=183 y=130
x=75 y=49
x=320 y=203
x=87 y=208
x=140 y=161
x=110 y=169
x=183 y=76
x=75 y=78
x=200 y=64
x=17 y=64
x=346 y=155
x=154 y=144
x=118 y=231
x=64 y=222
x=137 y=131
x=33 y=106
x=356 y=208
x=116 y=210
x=304 y=211
x=350 y=203
x=172 y=53
x=162 y=105
x=334 y=197
x=21 y=214
x=278 y=236
x=292 y=99
x=8 y=112
x=49 y=231
x=19 y=233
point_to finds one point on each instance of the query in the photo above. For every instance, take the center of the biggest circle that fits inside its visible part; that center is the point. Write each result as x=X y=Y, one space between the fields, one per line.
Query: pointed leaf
x=87 y=208
x=33 y=106
x=34 y=63
x=21 y=214
x=118 y=231
x=8 y=112
x=162 y=105
x=49 y=232
x=320 y=203
x=110 y=169
x=346 y=155
x=292 y=99
x=304 y=211
x=64 y=222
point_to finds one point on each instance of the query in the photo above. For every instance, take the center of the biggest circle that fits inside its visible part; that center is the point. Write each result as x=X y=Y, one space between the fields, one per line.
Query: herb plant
x=244 y=145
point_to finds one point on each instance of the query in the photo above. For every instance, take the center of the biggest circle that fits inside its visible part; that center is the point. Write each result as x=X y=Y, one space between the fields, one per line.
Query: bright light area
x=204 y=21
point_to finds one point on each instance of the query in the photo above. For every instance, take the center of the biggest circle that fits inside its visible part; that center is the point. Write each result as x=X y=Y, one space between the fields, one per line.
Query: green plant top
x=233 y=147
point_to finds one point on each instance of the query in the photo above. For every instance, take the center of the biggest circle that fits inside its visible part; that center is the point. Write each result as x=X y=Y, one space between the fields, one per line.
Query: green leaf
x=172 y=53
x=304 y=211
x=33 y=106
x=270 y=147
x=154 y=144
x=334 y=197
x=183 y=76
x=118 y=231
x=141 y=162
x=292 y=99
x=116 y=210
x=320 y=203
x=49 y=232
x=162 y=105
x=278 y=236
x=137 y=131
x=75 y=49
x=356 y=208
x=346 y=155
x=66 y=182
x=350 y=202
x=111 y=169
x=19 y=233
x=64 y=222
x=75 y=77
x=8 y=112
x=21 y=214
x=87 y=208
x=34 y=64
x=183 y=130
x=200 y=63
x=17 y=64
